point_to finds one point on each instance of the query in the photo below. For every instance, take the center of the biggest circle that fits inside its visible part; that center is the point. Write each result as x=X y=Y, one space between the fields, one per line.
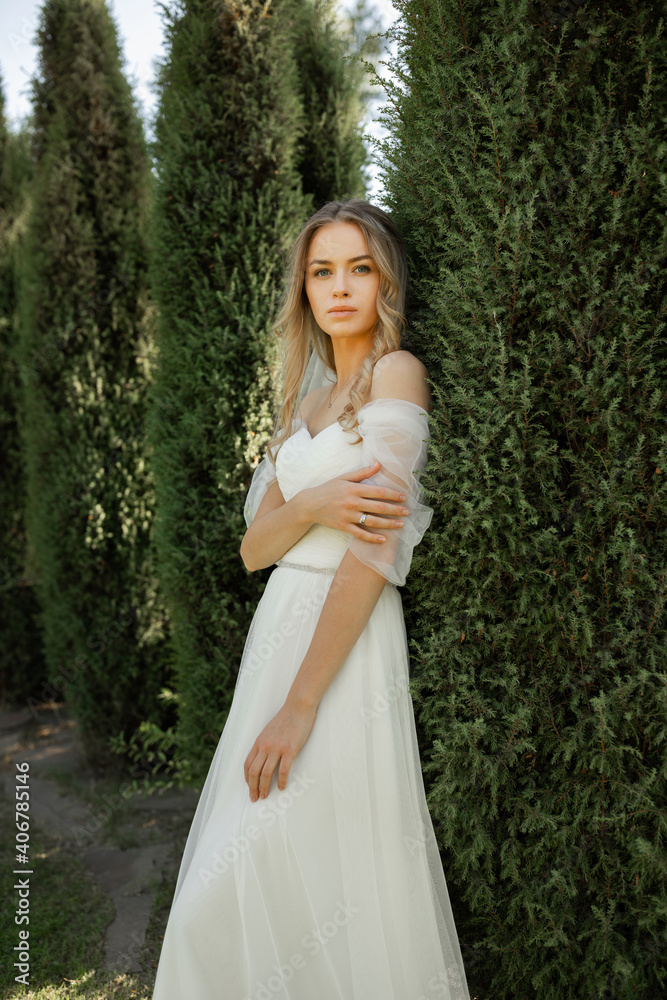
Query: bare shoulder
x=400 y=375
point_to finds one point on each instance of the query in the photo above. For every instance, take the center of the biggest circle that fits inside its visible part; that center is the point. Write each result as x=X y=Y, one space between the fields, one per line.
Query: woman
x=311 y=871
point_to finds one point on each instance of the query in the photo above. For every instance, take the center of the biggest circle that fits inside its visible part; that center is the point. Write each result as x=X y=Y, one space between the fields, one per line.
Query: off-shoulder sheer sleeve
x=263 y=477
x=395 y=432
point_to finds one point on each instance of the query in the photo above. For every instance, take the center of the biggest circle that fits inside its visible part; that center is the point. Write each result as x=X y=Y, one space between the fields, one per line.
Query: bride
x=311 y=870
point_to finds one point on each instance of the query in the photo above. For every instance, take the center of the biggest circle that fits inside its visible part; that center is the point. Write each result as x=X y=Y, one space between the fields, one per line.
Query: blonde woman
x=311 y=871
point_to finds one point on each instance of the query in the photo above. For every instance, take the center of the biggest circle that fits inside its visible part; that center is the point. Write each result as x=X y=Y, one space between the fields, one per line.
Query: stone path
x=48 y=741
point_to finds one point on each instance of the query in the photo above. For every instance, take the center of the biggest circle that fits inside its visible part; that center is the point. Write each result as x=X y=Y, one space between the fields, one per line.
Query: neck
x=349 y=356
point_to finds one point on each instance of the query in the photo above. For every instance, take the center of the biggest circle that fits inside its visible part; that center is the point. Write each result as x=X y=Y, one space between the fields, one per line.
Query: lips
x=341 y=311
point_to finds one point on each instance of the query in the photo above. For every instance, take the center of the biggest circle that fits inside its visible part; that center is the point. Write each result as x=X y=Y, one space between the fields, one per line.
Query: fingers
x=283 y=772
x=252 y=768
x=383 y=523
x=367 y=536
x=251 y=782
x=267 y=774
x=260 y=773
x=368 y=470
x=370 y=490
x=248 y=761
x=387 y=509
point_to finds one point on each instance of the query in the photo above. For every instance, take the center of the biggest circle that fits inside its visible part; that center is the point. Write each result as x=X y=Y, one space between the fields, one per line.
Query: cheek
x=314 y=290
x=373 y=295
x=310 y=295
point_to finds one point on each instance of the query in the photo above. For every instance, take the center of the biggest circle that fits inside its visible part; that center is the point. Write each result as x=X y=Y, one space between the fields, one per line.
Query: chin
x=345 y=328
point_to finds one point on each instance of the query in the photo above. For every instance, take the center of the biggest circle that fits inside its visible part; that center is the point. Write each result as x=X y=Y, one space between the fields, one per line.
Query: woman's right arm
x=275 y=528
x=338 y=503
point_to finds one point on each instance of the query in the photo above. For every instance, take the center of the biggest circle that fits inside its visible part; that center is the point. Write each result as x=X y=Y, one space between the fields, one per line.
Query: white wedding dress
x=332 y=889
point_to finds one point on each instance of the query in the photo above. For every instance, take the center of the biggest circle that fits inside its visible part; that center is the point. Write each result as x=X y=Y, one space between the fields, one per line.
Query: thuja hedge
x=525 y=166
x=234 y=185
x=21 y=663
x=84 y=358
x=331 y=156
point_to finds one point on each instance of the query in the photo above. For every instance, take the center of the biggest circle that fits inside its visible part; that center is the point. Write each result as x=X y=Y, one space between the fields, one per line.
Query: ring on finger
x=362 y=519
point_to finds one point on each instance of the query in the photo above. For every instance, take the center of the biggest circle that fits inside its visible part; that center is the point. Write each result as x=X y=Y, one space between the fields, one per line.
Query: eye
x=364 y=268
x=322 y=270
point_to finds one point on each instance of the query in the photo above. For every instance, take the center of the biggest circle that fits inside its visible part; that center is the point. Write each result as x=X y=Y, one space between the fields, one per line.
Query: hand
x=340 y=502
x=280 y=740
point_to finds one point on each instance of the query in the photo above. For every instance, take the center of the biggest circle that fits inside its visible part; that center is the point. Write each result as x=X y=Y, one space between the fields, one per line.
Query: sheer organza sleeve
x=263 y=476
x=395 y=432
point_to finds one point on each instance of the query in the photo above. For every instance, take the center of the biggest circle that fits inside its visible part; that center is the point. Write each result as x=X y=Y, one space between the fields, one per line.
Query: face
x=342 y=281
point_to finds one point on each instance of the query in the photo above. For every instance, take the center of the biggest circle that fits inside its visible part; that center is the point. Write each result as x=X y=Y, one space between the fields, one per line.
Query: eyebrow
x=352 y=260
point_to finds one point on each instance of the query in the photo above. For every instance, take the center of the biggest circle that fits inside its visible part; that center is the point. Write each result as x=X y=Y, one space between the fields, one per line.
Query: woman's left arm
x=352 y=596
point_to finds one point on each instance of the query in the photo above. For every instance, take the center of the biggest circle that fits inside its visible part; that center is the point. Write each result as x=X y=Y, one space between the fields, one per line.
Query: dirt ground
x=132 y=845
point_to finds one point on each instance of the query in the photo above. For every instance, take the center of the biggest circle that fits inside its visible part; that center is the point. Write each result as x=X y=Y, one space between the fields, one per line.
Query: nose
x=340 y=286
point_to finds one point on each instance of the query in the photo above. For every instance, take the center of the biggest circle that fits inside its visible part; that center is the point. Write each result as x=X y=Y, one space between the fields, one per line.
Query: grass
x=69 y=914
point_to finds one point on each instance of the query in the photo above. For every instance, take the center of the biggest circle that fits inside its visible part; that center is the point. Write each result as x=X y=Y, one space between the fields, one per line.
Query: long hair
x=295 y=324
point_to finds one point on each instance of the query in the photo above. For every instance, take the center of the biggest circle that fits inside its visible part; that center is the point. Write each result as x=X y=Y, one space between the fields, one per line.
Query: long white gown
x=332 y=889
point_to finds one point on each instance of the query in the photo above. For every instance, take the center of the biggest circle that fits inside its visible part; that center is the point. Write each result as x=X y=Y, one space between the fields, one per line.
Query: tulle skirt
x=332 y=889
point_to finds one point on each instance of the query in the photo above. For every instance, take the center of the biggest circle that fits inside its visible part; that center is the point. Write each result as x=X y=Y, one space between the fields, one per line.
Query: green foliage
x=21 y=663
x=247 y=93
x=228 y=201
x=332 y=152
x=525 y=167
x=85 y=360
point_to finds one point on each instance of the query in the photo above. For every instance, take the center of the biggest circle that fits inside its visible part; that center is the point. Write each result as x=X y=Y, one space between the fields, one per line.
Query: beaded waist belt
x=315 y=569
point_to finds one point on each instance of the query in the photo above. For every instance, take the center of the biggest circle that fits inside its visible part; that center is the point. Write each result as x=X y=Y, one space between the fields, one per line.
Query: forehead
x=338 y=240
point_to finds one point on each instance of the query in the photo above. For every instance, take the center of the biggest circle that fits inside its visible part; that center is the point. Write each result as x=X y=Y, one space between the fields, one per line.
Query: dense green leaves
x=21 y=665
x=256 y=119
x=126 y=379
x=523 y=165
x=332 y=153
x=84 y=360
x=227 y=203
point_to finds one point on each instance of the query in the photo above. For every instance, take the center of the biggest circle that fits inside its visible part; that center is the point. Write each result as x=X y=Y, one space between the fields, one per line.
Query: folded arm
x=366 y=567
x=338 y=503
x=275 y=528
x=351 y=599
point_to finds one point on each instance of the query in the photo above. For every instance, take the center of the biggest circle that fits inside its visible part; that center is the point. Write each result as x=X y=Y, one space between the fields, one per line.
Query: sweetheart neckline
x=381 y=399
x=304 y=427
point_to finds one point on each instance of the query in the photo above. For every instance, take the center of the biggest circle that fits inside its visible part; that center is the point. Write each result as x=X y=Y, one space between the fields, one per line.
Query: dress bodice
x=305 y=461
x=394 y=432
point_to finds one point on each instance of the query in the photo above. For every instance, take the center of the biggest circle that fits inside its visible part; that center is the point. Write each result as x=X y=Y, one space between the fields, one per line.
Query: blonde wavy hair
x=295 y=324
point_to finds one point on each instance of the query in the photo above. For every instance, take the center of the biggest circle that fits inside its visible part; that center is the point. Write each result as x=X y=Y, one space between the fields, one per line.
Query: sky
x=140 y=35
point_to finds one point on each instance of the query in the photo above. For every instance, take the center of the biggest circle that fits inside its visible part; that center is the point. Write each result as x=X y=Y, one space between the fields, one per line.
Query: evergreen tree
x=85 y=357
x=525 y=167
x=237 y=173
x=21 y=662
x=331 y=79
x=228 y=201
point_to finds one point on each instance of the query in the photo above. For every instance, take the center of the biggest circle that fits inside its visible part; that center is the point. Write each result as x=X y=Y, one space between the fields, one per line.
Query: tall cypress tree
x=228 y=201
x=21 y=663
x=525 y=168
x=330 y=158
x=248 y=93
x=85 y=354
x=332 y=153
